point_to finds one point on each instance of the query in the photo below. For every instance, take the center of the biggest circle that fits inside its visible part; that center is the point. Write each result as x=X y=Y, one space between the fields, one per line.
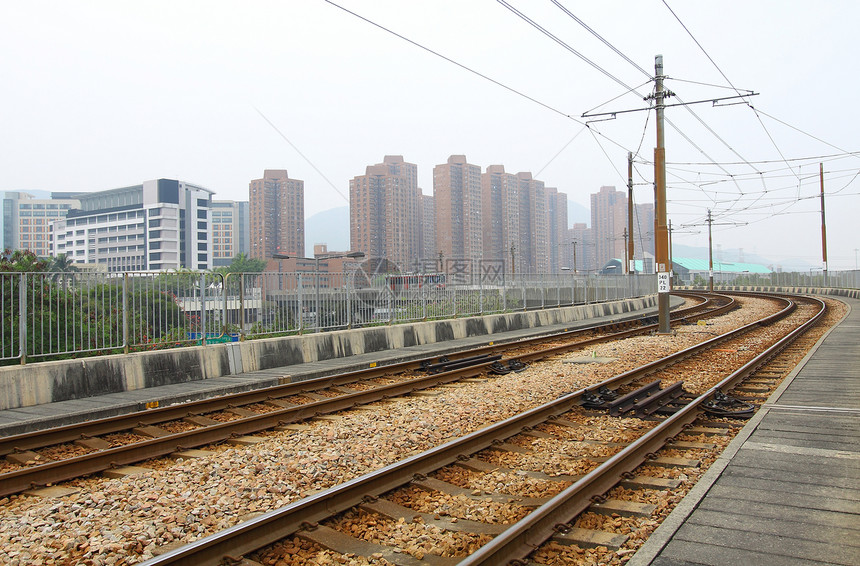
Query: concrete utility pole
x=574 y=257
x=823 y=226
x=626 y=256
x=631 y=266
x=661 y=237
x=710 y=254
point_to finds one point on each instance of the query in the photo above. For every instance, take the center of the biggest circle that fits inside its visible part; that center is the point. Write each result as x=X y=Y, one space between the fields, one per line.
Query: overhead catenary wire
x=560 y=42
x=714 y=63
x=563 y=44
x=303 y=156
x=473 y=71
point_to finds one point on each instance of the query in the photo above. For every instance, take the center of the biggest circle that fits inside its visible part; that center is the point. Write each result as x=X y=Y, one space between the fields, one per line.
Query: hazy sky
x=98 y=95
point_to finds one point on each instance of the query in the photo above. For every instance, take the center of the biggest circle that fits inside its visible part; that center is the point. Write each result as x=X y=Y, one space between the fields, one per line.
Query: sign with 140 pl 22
x=663 y=282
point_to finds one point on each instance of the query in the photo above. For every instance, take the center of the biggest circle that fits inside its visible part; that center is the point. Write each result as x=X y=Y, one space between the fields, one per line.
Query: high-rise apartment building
x=277 y=213
x=384 y=212
x=608 y=222
x=534 y=225
x=581 y=254
x=427 y=236
x=457 y=193
x=558 y=240
x=158 y=225
x=27 y=220
x=230 y=230
x=501 y=213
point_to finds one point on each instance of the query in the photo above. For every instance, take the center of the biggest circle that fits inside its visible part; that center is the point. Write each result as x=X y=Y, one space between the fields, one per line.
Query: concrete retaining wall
x=46 y=382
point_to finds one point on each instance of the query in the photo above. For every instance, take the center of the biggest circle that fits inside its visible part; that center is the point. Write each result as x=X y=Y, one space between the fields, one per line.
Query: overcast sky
x=98 y=95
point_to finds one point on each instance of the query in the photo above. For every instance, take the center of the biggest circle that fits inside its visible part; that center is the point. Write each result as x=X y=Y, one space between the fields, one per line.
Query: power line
x=321 y=174
x=810 y=158
x=452 y=61
x=714 y=63
x=570 y=141
x=853 y=153
x=566 y=46
x=602 y=39
x=474 y=72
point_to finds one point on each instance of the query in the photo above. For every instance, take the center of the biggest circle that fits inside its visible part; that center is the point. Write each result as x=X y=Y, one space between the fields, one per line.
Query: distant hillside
x=577 y=213
x=329 y=227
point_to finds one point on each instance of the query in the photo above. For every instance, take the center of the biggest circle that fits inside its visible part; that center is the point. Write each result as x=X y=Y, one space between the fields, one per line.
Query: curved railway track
x=628 y=394
x=103 y=444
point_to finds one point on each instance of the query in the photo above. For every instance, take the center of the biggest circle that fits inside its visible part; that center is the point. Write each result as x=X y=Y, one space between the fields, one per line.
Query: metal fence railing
x=51 y=315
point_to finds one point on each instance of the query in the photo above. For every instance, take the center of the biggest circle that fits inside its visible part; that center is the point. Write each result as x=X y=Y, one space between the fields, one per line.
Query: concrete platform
x=58 y=413
x=787 y=489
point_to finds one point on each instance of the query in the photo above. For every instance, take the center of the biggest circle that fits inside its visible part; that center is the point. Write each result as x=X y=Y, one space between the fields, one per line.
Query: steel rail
x=52 y=472
x=533 y=530
x=70 y=433
x=270 y=527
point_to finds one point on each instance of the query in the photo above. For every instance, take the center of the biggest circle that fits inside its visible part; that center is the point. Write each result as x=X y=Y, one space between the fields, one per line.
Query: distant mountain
x=577 y=213
x=329 y=227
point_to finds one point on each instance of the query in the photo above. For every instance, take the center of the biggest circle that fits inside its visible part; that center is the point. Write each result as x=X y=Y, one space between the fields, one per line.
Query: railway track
x=53 y=455
x=526 y=446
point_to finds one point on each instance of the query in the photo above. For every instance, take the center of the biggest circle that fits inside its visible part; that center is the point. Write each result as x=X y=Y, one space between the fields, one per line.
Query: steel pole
x=823 y=226
x=630 y=244
x=661 y=235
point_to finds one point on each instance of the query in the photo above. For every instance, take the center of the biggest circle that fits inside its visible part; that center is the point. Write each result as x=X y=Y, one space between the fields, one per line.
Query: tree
x=60 y=267
x=21 y=261
x=243 y=264
x=62 y=264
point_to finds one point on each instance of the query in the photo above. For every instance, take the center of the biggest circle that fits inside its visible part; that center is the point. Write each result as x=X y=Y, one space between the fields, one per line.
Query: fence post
x=203 y=308
x=390 y=306
x=504 y=292
x=348 y=301
x=480 y=294
x=524 y=294
x=22 y=317
x=299 y=297
x=125 y=345
x=224 y=310
x=424 y=300
x=241 y=306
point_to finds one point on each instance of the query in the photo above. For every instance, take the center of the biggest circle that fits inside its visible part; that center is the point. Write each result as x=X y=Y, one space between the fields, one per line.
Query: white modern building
x=158 y=225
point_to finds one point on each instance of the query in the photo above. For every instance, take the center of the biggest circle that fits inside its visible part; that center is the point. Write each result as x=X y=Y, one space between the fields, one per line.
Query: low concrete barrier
x=836 y=292
x=47 y=382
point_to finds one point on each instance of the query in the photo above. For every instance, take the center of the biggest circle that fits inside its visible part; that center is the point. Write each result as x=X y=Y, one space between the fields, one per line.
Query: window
x=201 y=214
x=155 y=256
x=201 y=225
x=201 y=247
x=154 y=223
x=201 y=236
x=202 y=202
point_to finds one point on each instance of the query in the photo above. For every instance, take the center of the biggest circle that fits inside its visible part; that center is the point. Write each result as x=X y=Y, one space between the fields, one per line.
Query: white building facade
x=159 y=225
